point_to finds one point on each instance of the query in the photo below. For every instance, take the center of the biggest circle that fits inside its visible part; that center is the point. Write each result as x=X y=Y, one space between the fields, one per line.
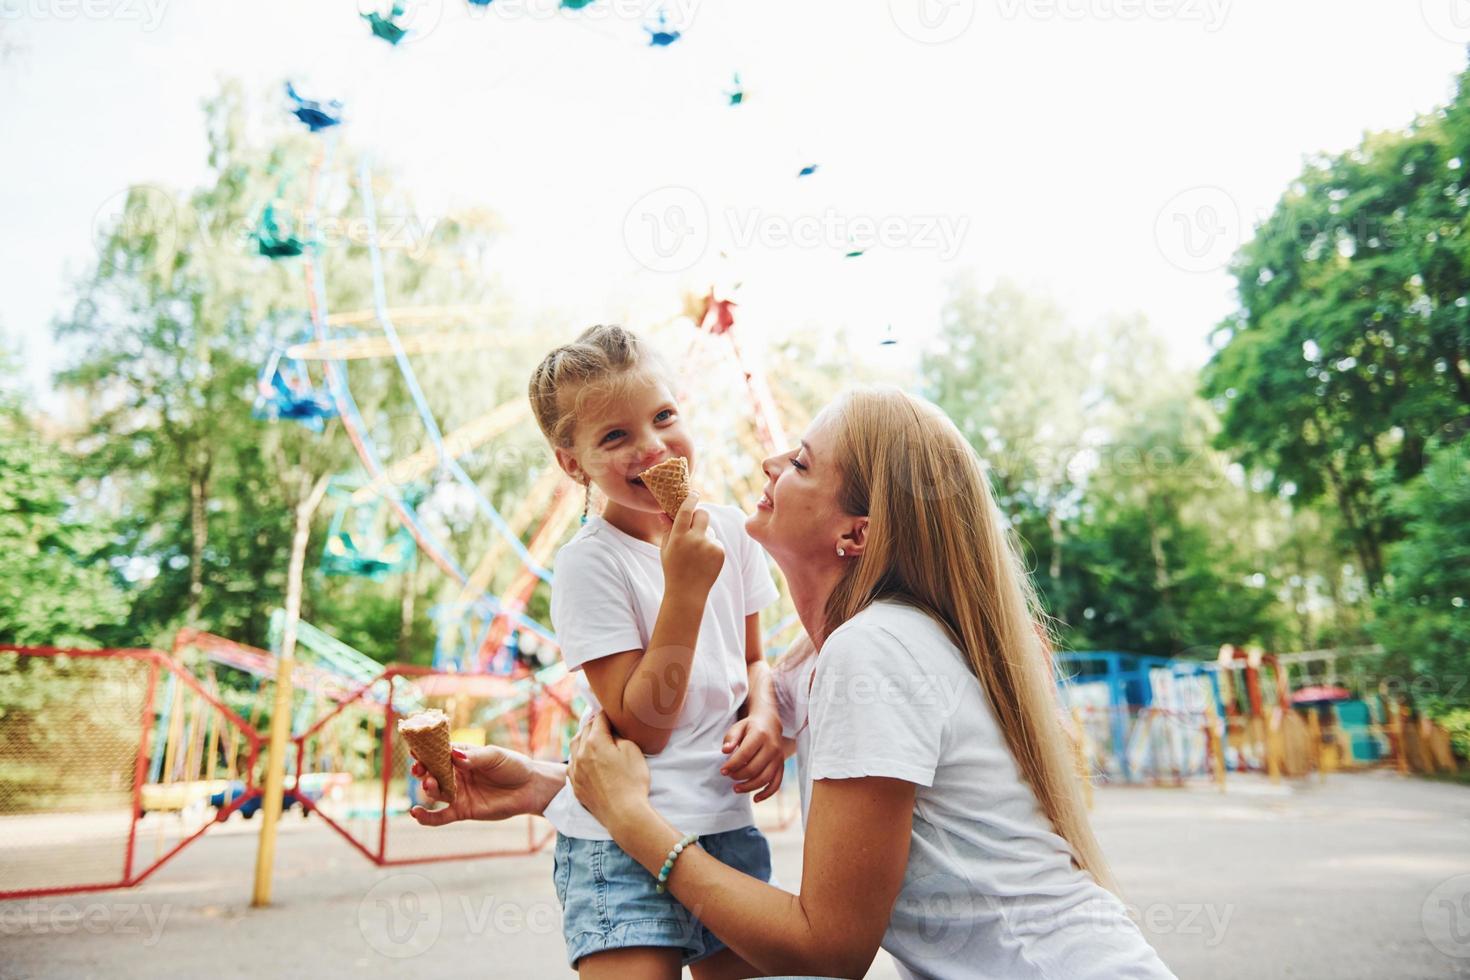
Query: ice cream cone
x=427 y=735
x=669 y=483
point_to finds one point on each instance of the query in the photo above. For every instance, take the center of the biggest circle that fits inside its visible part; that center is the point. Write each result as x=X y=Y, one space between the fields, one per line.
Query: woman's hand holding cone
x=491 y=784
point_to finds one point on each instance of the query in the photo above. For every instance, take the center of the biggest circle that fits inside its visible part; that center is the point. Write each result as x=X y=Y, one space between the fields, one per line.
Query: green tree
x=1100 y=455
x=1166 y=544
x=1018 y=380
x=170 y=329
x=55 y=589
x=1351 y=347
x=165 y=330
x=1423 y=622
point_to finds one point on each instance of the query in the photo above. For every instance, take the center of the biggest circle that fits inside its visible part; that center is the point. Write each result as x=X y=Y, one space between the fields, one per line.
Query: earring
x=587 y=501
x=841 y=553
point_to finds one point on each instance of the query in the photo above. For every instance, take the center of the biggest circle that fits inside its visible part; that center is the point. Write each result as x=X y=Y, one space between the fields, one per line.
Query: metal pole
x=275 y=772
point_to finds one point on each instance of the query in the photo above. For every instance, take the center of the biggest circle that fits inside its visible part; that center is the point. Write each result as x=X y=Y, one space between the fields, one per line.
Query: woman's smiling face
x=798 y=517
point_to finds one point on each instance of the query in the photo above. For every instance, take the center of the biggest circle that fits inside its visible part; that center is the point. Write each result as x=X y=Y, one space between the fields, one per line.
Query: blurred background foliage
x=1308 y=487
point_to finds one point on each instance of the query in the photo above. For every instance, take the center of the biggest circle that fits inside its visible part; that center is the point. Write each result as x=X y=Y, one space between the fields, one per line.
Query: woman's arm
x=857 y=845
x=491 y=784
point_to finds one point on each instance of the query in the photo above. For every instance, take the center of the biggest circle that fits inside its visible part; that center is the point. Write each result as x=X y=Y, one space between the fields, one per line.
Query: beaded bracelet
x=663 y=873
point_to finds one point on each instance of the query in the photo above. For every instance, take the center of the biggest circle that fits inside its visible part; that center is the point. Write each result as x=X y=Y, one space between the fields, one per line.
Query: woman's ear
x=570 y=465
x=856 y=538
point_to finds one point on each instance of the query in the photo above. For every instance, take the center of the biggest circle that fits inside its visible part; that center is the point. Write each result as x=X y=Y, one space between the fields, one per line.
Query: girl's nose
x=771 y=466
x=652 y=451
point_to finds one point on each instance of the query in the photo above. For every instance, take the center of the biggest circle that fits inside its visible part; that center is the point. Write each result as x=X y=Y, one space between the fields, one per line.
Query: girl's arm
x=857 y=845
x=761 y=701
x=642 y=691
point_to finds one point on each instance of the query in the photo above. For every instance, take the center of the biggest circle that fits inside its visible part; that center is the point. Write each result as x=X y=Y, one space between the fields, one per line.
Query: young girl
x=661 y=617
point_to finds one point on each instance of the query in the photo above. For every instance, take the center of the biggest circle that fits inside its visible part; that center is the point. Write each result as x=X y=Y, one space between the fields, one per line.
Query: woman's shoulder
x=892 y=625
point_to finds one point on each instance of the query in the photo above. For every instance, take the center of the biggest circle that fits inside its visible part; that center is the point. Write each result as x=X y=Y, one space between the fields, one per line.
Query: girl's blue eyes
x=663 y=416
x=796 y=462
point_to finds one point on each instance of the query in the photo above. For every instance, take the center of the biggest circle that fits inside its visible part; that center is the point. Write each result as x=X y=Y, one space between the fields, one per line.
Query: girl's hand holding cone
x=692 y=556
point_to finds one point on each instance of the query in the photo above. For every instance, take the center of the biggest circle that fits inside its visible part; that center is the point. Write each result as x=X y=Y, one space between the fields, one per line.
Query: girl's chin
x=641 y=501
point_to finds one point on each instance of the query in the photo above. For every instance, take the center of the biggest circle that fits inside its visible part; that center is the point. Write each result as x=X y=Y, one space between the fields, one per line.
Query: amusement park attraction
x=186 y=761
x=159 y=752
x=172 y=754
x=1168 y=720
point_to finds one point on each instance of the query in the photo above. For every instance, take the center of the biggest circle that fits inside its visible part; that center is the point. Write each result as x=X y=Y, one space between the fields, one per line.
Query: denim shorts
x=608 y=899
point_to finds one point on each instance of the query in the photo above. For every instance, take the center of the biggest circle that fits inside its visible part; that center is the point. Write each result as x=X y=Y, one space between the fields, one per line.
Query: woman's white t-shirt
x=605 y=600
x=990 y=889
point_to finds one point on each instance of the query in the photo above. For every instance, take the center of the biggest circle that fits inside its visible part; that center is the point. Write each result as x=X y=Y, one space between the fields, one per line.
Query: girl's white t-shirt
x=604 y=600
x=990 y=889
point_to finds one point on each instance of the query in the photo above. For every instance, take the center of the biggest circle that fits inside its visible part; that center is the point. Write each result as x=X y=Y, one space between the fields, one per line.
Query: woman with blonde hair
x=943 y=815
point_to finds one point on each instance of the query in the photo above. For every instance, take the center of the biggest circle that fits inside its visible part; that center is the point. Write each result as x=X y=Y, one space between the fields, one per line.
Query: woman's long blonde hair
x=937 y=541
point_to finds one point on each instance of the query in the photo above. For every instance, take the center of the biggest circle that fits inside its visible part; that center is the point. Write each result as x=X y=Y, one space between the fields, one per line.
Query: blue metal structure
x=1130 y=686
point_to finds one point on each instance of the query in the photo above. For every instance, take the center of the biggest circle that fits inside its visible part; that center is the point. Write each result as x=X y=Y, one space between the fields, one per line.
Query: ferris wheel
x=491 y=547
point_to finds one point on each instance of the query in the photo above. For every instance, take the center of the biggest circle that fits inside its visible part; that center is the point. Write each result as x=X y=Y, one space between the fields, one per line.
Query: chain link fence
x=111 y=761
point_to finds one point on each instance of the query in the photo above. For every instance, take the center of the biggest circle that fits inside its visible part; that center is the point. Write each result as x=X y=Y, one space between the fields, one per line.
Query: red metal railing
x=99 y=741
x=37 y=740
x=398 y=691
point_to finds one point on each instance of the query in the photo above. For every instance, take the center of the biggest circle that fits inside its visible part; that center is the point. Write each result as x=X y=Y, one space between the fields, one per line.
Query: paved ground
x=1366 y=876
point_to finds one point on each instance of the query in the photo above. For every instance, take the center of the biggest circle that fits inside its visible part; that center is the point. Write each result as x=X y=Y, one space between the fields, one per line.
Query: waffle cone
x=669 y=483
x=427 y=735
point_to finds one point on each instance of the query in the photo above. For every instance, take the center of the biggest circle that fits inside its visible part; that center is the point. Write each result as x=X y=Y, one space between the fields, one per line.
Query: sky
x=1110 y=152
